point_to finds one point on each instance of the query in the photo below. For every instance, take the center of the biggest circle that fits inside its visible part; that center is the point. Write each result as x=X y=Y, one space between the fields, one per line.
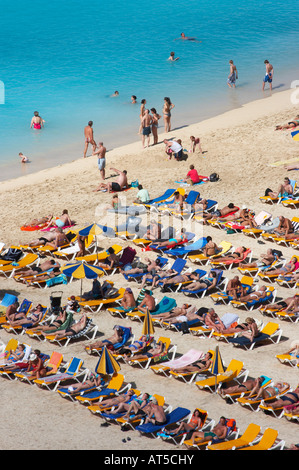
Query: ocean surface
x=66 y=59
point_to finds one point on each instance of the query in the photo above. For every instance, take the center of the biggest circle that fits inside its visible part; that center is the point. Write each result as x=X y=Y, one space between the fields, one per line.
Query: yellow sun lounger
x=234 y=371
x=249 y=436
x=267 y=442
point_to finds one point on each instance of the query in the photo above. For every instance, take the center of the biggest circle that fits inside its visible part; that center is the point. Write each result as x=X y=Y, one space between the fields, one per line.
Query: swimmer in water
x=133 y=99
x=116 y=93
x=172 y=58
x=37 y=122
x=184 y=37
x=23 y=158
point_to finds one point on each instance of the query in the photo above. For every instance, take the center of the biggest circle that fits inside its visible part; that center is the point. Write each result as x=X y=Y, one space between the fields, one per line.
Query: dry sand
x=240 y=145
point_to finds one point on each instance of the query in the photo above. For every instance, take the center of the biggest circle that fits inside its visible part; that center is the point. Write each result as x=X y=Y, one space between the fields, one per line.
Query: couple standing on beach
x=233 y=75
x=149 y=122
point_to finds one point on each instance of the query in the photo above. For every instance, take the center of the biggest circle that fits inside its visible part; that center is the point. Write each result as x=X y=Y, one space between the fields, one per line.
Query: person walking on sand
x=88 y=134
x=269 y=75
x=233 y=75
x=101 y=153
x=36 y=122
x=146 y=127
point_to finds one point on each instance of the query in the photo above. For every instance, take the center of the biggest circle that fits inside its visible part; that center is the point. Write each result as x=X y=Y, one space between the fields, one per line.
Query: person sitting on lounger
x=289 y=267
x=128 y=301
x=114 y=339
x=59 y=240
x=32 y=319
x=197 y=366
x=235 y=288
x=148 y=303
x=55 y=324
x=195 y=424
x=12 y=313
x=153 y=231
x=95 y=293
x=73 y=329
x=36 y=365
x=212 y=320
x=220 y=212
x=267 y=392
x=248 y=385
x=13 y=357
x=284 y=190
x=252 y=330
x=111 y=261
x=289 y=125
x=285 y=227
x=266 y=259
x=156 y=414
x=210 y=248
x=208 y=283
x=218 y=432
x=34 y=269
x=200 y=206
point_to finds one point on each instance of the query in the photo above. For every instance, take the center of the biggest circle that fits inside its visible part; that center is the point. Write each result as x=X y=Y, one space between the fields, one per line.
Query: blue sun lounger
x=198 y=245
x=174 y=416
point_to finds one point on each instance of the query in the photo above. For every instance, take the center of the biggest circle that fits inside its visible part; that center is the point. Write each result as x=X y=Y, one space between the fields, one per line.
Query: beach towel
x=191 y=356
x=165 y=305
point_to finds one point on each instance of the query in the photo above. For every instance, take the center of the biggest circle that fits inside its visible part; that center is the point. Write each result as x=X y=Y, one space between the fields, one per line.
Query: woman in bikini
x=197 y=366
x=195 y=424
x=167 y=107
x=268 y=392
x=289 y=398
x=155 y=124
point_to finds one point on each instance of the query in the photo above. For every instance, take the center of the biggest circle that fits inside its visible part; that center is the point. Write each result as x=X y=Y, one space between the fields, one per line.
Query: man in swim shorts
x=120 y=183
x=101 y=153
x=88 y=134
x=269 y=74
x=146 y=127
x=233 y=75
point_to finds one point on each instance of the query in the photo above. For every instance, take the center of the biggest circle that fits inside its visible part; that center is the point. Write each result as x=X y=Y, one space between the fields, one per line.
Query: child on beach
x=195 y=141
x=23 y=158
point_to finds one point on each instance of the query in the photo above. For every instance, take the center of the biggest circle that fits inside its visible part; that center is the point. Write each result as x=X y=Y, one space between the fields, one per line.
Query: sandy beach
x=240 y=146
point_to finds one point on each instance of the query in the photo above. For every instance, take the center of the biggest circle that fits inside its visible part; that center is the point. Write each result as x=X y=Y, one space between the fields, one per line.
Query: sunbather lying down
x=289 y=125
x=114 y=339
x=94 y=380
x=137 y=345
x=117 y=400
x=249 y=385
x=34 y=269
x=268 y=392
x=156 y=350
x=39 y=221
x=197 y=366
x=74 y=329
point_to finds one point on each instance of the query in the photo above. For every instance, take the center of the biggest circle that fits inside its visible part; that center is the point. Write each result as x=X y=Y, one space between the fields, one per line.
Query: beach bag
x=214 y=177
x=12 y=254
x=134 y=184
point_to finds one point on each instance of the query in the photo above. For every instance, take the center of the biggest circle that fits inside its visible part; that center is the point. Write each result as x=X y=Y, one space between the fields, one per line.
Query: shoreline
x=240 y=145
x=72 y=148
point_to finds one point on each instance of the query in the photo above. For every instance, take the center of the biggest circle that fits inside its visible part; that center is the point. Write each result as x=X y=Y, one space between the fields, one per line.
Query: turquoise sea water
x=65 y=59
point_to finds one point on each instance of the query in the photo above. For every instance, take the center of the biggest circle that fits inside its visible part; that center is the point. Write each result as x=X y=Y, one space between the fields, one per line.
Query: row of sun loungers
x=74 y=372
